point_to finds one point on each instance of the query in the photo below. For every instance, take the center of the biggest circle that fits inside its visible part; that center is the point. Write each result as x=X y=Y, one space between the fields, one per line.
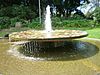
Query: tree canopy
x=63 y=6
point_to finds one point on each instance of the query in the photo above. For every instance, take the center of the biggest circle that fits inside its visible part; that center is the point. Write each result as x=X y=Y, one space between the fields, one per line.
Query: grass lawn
x=93 y=32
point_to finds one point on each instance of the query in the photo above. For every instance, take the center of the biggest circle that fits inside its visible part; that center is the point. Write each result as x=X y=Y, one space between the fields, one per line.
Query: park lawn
x=93 y=32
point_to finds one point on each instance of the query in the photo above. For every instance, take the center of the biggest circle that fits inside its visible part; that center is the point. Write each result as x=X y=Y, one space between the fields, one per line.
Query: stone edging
x=91 y=39
x=3 y=37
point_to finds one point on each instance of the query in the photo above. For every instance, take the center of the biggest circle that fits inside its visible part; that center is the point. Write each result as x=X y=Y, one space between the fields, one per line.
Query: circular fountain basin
x=81 y=60
x=41 y=35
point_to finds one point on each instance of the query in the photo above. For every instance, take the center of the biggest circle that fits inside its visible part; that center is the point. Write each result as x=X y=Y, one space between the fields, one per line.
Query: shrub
x=6 y=11
x=76 y=17
x=4 y=22
x=17 y=19
x=56 y=21
x=13 y=21
x=97 y=14
x=0 y=27
x=17 y=13
x=35 y=24
x=21 y=11
x=72 y=22
x=78 y=23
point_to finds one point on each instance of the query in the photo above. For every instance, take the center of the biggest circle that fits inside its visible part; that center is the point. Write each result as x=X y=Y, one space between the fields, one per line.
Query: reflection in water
x=68 y=50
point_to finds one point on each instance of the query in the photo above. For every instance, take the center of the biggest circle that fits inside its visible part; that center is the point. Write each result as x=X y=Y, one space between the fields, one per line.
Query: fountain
x=44 y=40
x=21 y=54
x=48 y=34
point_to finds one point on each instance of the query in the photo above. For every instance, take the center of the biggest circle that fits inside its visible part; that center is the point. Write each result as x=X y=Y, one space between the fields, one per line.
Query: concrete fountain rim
x=40 y=35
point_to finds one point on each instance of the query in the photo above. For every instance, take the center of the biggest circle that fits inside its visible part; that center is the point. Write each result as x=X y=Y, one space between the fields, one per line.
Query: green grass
x=93 y=32
x=2 y=33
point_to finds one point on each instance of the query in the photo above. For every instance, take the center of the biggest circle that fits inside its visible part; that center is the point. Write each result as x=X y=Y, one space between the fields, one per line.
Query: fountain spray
x=48 y=26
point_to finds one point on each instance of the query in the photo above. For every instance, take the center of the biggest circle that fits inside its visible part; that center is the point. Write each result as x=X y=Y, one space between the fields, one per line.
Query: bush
x=76 y=17
x=97 y=14
x=72 y=22
x=13 y=21
x=16 y=19
x=6 y=11
x=56 y=21
x=35 y=24
x=21 y=11
x=16 y=13
x=0 y=27
x=4 y=22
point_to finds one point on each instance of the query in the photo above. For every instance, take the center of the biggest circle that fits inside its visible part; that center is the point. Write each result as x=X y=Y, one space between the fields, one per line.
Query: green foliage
x=4 y=22
x=16 y=19
x=78 y=23
x=72 y=22
x=94 y=33
x=24 y=14
x=13 y=21
x=16 y=13
x=5 y=11
x=76 y=17
x=35 y=24
x=55 y=19
x=21 y=11
x=97 y=14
